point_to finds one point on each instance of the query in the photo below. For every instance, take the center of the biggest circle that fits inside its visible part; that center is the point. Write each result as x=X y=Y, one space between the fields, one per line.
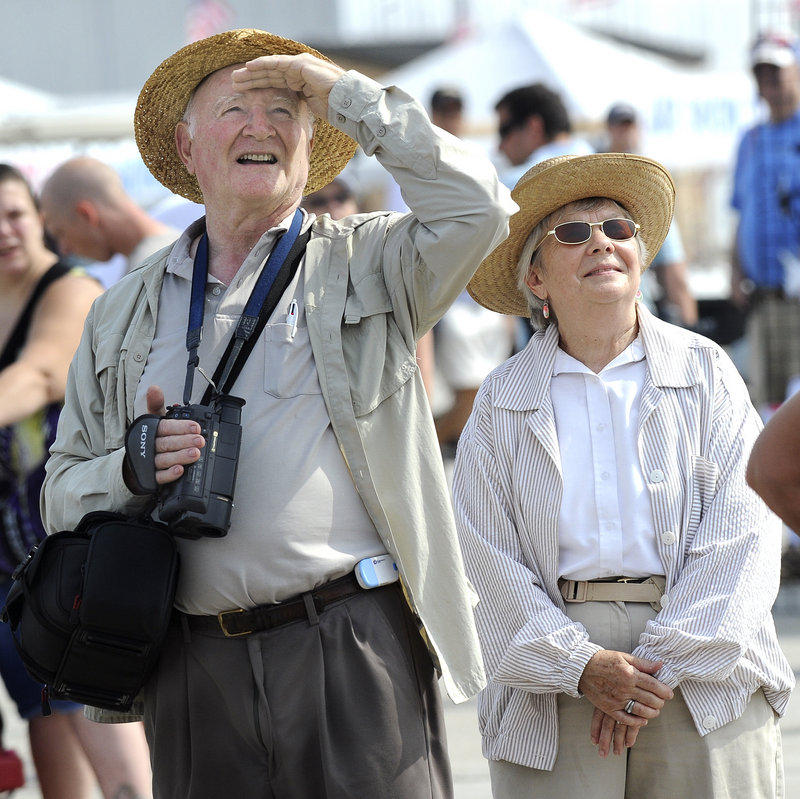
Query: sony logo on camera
x=143 y=441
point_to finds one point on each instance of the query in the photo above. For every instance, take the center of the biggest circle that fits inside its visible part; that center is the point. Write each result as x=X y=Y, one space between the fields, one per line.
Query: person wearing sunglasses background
x=625 y=571
x=533 y=124
x=336 y=199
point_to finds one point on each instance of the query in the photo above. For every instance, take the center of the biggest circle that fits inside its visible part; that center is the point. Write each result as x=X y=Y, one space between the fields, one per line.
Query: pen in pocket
x=291 y=318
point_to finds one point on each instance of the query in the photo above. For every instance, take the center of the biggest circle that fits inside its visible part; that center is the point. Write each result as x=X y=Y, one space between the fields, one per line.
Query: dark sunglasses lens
x=573 y=232
x=315 y=203
x=619 y=229
x=506 y=128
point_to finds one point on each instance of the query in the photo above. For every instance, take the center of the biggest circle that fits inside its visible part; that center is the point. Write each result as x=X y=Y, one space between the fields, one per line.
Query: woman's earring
x=638 y=295
x=546 y=310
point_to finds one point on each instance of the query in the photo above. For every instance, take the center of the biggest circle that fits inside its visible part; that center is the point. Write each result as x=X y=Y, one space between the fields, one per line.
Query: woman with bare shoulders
x=43 y=304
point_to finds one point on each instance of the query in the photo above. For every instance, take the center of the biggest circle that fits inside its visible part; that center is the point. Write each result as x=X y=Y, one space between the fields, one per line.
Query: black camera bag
x=89 y=608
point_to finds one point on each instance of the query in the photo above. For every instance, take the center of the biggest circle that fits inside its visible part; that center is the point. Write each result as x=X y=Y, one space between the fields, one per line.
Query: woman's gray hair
x=530 y=258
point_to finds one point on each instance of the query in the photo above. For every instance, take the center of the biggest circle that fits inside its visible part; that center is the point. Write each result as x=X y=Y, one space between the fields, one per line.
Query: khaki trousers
x=741 y=760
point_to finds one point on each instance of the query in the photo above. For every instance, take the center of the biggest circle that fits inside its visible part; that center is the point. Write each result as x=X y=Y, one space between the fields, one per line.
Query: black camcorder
x=200 y=502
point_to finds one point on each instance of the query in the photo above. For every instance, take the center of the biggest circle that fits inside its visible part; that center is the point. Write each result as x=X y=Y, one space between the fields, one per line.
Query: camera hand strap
x=269 y=287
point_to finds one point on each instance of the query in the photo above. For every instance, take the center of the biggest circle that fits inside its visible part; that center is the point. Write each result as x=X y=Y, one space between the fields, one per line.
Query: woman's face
x=21 y=232
x=577 y=277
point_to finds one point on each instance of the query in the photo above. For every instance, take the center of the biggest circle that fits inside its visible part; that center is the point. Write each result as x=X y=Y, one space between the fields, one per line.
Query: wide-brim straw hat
x=641 y=185
x=164 y=97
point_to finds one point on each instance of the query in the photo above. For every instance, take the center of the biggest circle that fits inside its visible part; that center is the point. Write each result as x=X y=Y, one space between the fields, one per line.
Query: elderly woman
x=625 y=570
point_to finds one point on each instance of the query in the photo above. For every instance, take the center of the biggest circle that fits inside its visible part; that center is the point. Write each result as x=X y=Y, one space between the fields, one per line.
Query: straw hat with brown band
x=164 y=97
x=642 y=186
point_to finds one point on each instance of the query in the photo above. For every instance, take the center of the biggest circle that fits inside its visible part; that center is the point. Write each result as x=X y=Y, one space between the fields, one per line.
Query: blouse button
x=347 y=102
x=669 y=537
x=138 y=357
x=710 y=722
x=656 y=476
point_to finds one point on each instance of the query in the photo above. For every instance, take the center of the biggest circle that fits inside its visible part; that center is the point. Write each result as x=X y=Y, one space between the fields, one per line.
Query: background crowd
x=83 y=215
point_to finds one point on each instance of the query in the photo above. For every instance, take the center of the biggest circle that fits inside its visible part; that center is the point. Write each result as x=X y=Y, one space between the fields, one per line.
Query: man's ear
x=87 y=211
x=534 y=128
x=312 y=136
x=183 y=144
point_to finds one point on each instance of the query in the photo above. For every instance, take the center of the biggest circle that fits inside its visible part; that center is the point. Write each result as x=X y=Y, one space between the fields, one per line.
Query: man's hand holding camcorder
x=177 y=444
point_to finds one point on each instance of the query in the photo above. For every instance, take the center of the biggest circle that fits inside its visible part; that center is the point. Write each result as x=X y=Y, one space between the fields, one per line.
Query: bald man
x=88 y=212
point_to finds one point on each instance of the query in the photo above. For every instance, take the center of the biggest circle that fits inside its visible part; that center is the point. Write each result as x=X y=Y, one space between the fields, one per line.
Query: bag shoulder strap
x=282 y=280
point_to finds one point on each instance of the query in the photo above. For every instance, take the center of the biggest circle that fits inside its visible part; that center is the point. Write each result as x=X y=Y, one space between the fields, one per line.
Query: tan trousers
x=741 y=760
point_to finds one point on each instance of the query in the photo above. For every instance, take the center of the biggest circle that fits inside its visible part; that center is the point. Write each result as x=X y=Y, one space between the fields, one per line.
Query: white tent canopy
x=692 y=117
x=78 y=117
x=15 y=97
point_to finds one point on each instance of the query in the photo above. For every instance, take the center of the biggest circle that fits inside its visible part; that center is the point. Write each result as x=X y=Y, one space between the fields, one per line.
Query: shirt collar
x=181 y=259
x=565 y=363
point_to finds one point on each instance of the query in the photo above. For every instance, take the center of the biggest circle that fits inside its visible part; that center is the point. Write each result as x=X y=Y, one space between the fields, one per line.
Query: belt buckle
x=579 y=592
x=222 y=624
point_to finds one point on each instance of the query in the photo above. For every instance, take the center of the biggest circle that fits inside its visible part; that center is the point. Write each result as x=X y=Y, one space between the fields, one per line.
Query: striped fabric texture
x=719 y=544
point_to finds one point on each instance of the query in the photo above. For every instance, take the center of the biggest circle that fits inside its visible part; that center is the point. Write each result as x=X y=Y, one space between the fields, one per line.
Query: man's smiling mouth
x=257 y=158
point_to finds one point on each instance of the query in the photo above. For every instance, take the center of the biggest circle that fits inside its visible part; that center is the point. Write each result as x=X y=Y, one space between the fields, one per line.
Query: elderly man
x=283 y=676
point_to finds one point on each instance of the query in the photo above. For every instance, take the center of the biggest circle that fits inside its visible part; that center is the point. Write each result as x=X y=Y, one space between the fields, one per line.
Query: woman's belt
x=615 y=589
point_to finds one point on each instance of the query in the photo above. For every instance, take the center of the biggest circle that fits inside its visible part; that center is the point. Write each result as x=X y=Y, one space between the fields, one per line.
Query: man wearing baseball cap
x=297 y=664
x=766 y=250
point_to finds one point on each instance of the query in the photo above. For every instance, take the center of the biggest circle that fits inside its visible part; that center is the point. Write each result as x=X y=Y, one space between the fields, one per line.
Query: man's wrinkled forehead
x=218 y=88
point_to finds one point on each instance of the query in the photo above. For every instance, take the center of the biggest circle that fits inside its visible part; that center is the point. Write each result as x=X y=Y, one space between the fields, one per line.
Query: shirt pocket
x=289 y=367
x=378 y=359
x=108 y=355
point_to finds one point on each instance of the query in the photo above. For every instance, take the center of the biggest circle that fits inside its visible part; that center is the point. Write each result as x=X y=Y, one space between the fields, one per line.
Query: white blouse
x=605 y=526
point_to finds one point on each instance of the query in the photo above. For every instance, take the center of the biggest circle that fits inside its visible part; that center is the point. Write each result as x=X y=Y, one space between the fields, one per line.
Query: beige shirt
x=297 y=508
x=374 y=283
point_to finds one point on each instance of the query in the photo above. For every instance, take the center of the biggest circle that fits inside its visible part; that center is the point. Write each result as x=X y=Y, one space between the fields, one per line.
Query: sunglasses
x=323 y=201
x=580 y=232
x=508 y=126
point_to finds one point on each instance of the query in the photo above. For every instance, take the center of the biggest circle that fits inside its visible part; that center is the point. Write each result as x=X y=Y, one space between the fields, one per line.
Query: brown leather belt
x=233 y=623
x=618 y=589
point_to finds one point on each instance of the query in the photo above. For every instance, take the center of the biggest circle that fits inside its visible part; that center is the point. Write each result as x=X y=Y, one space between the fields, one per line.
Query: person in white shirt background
x=625 y=570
